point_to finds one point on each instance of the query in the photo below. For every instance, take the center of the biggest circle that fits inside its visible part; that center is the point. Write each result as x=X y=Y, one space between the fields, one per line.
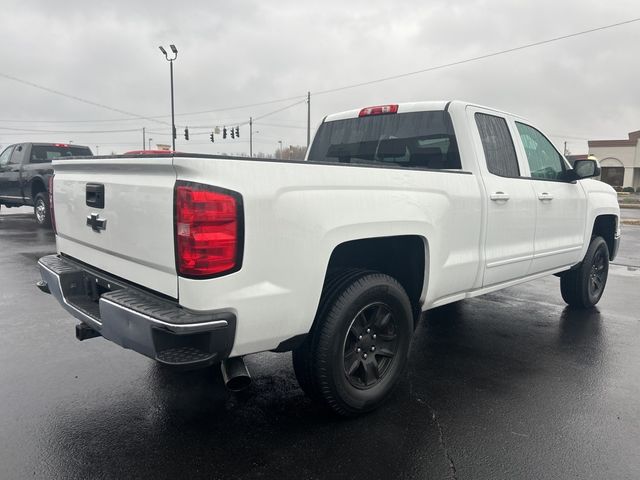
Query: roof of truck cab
x=429 y=106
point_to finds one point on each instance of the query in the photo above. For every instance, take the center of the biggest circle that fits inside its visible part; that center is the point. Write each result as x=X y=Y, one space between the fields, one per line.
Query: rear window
x=47 y=153
x=411 y=140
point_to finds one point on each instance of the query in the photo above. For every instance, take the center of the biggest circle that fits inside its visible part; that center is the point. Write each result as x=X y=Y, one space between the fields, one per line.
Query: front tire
x=357 y=350
x=41 y=210
x=583 y=286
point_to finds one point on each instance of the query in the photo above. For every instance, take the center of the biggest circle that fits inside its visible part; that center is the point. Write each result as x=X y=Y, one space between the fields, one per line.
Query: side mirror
x=585 y=169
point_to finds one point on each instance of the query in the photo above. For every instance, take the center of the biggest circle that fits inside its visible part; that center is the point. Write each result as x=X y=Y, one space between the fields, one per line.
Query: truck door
x=560 y=205
x=509 y=199
x=9 y=177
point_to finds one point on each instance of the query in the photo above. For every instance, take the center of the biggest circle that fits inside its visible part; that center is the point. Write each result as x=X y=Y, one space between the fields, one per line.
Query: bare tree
x=292 y=152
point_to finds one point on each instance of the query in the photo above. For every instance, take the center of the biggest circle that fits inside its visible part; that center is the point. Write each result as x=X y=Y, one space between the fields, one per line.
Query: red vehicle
x=148 y=152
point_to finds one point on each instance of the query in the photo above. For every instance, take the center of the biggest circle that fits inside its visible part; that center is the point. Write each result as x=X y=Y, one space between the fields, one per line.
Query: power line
x=320 y=92
x=240 y=107
x=68 y=131
x=242 y=124
x=138 y=117
x=479 y=57
x=281 y=126
x=277 y=111
x=74 y=97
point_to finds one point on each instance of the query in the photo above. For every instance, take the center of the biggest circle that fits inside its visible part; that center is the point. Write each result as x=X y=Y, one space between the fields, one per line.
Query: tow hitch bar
x=85 y=332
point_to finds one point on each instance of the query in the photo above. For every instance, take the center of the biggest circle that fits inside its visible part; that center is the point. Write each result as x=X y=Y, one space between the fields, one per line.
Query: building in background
x=619 y=160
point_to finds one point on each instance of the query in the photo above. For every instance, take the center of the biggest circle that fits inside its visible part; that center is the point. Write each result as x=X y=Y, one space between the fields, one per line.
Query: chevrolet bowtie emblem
x=96 y=224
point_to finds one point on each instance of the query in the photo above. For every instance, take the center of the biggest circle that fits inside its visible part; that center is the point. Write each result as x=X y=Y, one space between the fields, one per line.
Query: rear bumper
x=137 y=320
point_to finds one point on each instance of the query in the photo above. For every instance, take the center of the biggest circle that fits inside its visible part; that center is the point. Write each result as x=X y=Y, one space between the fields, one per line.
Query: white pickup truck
x=194 y=260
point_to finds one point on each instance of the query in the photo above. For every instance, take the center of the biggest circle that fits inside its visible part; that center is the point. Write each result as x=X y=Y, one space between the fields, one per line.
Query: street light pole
x=308 y=118
x=174 y=50
x=150 y=140
x=280 y=142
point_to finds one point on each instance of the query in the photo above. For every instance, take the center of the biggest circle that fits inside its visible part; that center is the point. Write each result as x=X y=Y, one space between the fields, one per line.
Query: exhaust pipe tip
x=235 y=374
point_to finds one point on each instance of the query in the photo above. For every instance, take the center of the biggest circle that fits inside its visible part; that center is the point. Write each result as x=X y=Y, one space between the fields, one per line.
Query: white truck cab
x=199 y=259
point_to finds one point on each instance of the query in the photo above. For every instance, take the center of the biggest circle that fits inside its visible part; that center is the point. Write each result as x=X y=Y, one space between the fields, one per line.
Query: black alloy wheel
x=599 y=273
x=583 y=286
x=370 y=345
x=357 y=350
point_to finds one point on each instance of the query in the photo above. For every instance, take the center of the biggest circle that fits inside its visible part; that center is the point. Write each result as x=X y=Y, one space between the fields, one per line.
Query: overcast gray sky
x=236 y=53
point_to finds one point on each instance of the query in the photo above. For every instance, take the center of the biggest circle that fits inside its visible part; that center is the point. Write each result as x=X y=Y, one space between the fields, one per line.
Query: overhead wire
x=69 y=131
x=300 y=98
x=476 y=58
x=75 y=97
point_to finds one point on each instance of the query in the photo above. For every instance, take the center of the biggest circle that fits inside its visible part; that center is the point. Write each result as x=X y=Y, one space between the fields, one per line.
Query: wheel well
x=401 y=257
x=605 y=226
x=37 y=186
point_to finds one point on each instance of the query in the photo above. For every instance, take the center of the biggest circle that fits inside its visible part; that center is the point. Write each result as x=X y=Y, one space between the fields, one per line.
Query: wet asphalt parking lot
x=506 y=386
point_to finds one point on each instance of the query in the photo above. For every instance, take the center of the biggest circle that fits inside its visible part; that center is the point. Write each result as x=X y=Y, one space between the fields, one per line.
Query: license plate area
x=84 y=289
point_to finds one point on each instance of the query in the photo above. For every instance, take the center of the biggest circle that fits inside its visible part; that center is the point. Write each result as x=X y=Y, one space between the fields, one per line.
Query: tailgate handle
x=95 y=195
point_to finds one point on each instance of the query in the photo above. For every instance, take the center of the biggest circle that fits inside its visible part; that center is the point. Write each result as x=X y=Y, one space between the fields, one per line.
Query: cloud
x=237 y=53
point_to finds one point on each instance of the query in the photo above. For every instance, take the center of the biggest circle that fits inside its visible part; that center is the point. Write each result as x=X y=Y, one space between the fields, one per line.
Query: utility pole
x=251 y=136
x=565 y=148
x=280 y=142
x=144 y=141
x=308 y=119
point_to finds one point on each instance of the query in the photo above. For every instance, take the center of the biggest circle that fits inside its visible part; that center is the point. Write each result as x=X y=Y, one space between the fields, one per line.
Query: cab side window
x=544 y=160
x=497 y=144
x=5 y=156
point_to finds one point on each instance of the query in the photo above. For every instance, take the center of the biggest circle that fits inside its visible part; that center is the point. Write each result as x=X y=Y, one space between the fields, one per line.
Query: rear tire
x=41 y=210
x=583 y=286
x=357 y=350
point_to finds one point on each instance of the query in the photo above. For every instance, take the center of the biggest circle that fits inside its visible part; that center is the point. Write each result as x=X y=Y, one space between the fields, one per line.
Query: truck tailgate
x=137 y=240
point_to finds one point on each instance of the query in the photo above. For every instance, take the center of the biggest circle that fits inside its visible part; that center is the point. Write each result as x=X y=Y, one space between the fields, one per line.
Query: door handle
x=545 y=196
x=498 y=196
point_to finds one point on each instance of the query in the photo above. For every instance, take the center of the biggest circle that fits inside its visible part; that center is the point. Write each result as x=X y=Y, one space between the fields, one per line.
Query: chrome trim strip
x=59 y=294
x=214 y=324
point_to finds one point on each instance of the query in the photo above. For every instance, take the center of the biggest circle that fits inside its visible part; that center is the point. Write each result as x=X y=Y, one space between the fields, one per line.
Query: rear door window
x=497 y=144
x=411 y=140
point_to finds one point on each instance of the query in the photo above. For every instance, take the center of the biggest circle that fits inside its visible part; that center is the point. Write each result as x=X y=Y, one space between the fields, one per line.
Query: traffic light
x=233 y=133
x=186 y=133
x=224 y=132
x=238 y=132
x=211 y=137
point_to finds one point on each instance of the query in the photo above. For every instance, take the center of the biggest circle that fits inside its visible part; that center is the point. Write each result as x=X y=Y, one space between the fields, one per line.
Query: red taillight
x=51 y=210
x=378 y=110
x=208 y=230
x=60 y=144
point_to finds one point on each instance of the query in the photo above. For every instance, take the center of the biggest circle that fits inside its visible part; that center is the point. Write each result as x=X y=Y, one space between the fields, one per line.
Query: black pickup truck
x=25 y=169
